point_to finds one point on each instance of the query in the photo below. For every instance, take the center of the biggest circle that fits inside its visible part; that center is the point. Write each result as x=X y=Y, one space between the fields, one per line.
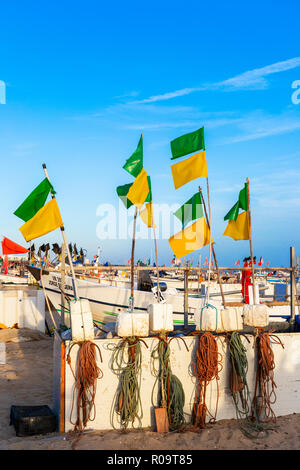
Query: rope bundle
x=206 y=368
x=246 y=415
x=87 y=373
x=265 y=385
x=126 y=364
x=171 y=393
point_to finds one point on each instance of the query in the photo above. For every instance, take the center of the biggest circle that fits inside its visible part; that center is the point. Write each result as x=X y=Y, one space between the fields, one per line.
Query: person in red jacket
x=246 y=278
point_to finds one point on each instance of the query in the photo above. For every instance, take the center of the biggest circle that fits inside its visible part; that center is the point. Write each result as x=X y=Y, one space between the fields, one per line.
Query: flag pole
x=250 y=241
x=212 y=247
x=131 y=304
x=66 y=244
x=156 y=254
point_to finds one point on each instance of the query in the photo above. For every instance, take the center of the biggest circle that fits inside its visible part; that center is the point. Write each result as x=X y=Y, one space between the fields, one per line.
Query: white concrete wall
x=287 y=378
x=27 y=308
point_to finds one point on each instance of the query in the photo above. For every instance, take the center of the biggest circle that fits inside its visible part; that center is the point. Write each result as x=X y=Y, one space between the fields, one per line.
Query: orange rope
x=87 y=373
x=264 y=395
x=206 y=368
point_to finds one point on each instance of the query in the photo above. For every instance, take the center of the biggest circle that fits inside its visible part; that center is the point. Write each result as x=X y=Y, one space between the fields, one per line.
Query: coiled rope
x=207 y=367
x=171 y=394
x=245 y=413
x=264 y=395
x=86 y=375
x=126 y=364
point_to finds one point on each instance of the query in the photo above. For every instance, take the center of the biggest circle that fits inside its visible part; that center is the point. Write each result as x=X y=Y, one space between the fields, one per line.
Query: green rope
x=170 y=394
x=126 y=364
x=245 y=413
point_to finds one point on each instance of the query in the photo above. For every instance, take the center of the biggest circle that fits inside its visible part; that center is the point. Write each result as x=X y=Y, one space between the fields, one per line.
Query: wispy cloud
x=252 y=79
x=258 y=125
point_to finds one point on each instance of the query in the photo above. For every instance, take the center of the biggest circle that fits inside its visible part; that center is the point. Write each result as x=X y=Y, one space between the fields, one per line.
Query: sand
x=26 y=379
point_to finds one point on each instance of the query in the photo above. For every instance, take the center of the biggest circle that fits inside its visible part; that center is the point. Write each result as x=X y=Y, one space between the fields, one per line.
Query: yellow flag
x=147 y=215
x=138 y=192
x=187 y=170
x=191 y=238
x=238 y=229
x=48 y=218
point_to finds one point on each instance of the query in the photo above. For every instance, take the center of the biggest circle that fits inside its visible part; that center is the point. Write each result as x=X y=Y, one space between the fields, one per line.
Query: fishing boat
x=107 y=301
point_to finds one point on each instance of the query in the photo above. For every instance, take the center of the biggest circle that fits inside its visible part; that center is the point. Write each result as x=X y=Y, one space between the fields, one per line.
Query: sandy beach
x=26 y=379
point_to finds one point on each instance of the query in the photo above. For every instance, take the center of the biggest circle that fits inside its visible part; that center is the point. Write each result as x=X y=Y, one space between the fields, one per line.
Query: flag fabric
x=134 y=164
x=242 y=203
x=191 y=238
x=147 y=215
x=191 y=210
x=267 y=263
x=188 y=143
x=238 y=262
x=206 y=262
x=122 y=192
x=48 y=218
x=139 y=190
x=11 y=248
x=187 y=170
x=35 y=201
x=261 y=262
x=238 y=229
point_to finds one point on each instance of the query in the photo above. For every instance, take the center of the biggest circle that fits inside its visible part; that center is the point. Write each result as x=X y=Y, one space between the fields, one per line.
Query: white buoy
x=160 y=317
x=132 y=324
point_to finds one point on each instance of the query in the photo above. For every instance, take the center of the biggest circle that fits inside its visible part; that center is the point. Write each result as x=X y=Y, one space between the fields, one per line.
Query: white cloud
x=252 y=79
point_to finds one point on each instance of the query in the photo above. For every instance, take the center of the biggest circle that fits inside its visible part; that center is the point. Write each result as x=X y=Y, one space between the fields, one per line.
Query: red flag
x=206 y=262
x=173 y=261
x=261 y=261
x=268 y=263
x=238 y=262
x=11 y=248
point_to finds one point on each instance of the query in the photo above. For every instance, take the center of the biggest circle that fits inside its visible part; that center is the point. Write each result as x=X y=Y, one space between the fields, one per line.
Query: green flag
x=122 y=192
x=243 y=198
x=191 y=210
x=188 y=143
x=35 y=201
x=134 y=164
x=242 y=203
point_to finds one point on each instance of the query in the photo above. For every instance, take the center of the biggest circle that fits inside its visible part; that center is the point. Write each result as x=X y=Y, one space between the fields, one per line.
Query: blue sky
x=84 y=79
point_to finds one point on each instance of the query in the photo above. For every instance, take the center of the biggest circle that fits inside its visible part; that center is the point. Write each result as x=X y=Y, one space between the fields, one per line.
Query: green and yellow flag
x=188 y=143
x=191 y=210
x=242 y=203
x=191 y=238
x=48 y=218
x=238 y=229
x=187 y=170
x=35 y=201
x=238 y=224
x=123 y=190
x=139 y=190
